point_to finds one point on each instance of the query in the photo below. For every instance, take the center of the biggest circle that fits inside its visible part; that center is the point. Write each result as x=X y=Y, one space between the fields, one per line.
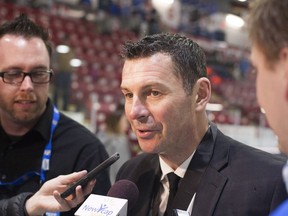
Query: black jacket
x=14 y=206
x=74 y=148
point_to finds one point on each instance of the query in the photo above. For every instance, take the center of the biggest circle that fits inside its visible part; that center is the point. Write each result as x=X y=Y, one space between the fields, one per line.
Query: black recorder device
x=91 y=175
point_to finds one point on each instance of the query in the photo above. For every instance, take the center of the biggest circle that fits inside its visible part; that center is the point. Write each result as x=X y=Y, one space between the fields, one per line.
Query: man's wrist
x=26 y=213
x=30 y=209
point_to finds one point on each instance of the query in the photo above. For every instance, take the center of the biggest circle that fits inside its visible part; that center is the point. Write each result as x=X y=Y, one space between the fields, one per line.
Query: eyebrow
x=21 y=68
x=149 y=85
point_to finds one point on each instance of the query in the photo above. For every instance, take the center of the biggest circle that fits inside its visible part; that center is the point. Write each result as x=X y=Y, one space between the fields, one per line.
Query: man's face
x=160 y=112
x=22 y=103
x=271 y=86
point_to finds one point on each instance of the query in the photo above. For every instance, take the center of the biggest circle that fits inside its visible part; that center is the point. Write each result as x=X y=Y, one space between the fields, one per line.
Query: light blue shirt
x=282 y=210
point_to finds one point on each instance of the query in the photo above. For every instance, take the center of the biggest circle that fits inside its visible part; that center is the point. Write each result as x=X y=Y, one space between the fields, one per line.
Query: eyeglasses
x=17 y=76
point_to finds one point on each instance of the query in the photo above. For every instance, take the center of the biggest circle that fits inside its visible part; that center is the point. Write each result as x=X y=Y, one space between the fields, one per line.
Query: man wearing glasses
x=38 y=76
x=37 y=142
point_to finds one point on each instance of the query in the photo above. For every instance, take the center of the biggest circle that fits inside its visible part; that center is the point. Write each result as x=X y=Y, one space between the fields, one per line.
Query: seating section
x=100 y=73
x=101 y=63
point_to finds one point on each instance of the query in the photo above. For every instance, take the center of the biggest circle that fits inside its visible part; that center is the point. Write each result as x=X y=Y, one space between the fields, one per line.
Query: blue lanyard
x=45 y=158
x=20 y=180
x=47 y=154
x=45 y=162
x=48 y=148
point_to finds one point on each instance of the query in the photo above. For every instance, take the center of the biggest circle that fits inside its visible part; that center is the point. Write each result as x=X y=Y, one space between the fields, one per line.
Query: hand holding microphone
x=91 y=175
x=47 y=198
x=123 y=192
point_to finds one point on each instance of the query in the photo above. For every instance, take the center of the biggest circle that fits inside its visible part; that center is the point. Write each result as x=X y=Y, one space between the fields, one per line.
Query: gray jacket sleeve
x=14 y=205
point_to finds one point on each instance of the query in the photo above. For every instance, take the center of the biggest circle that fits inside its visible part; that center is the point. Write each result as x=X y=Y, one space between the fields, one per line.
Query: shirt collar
x=44 y=124
x=180 y=171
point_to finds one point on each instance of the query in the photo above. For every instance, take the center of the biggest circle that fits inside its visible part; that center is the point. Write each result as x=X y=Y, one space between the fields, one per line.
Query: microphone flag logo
x=98 y=205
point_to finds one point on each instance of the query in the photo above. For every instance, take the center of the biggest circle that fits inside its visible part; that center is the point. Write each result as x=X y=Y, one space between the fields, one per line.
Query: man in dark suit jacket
x=228 y=177
x=166 y=92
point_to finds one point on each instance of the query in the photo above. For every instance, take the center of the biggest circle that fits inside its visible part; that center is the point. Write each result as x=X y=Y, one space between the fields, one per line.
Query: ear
x=203 y=93
x=284 y=60
x=286 y=83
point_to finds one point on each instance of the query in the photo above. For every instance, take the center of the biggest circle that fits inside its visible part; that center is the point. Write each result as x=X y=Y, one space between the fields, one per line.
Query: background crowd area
x=94 y=31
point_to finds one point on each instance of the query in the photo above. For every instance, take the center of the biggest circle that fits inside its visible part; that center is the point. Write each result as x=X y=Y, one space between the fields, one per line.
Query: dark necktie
x=173 y=186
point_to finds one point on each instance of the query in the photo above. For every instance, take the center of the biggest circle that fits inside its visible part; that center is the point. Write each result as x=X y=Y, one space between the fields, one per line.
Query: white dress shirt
x=180 y=171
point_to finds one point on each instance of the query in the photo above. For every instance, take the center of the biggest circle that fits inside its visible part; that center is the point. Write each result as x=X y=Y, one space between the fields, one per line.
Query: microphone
x=122 y=194
x=125 y=189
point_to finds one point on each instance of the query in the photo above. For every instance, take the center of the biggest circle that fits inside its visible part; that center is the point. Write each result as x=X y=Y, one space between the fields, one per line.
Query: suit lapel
x=212 y=182
x=201 y=178
x=194 y=172
x=190 y=182
x=147 y=185
x=209 y=192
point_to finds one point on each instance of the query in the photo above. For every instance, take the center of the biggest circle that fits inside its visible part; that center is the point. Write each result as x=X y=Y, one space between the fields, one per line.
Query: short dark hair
x=187 y=56
x=23 y=26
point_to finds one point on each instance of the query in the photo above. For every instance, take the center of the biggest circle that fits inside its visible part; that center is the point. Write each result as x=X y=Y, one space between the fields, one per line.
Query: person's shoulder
x=256 y=153
x=256 y=161
x=237 y=147
x=247 y=154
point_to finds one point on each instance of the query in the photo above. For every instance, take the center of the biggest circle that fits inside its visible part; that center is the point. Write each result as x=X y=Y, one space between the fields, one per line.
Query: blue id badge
x=52 y=214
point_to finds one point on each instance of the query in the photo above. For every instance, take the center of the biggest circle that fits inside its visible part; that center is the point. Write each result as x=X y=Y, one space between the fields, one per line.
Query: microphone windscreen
x=125 y=189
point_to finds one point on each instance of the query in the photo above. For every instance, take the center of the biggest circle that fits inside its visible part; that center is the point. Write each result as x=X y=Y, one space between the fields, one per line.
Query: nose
x=27 y=84
x=137 y=110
